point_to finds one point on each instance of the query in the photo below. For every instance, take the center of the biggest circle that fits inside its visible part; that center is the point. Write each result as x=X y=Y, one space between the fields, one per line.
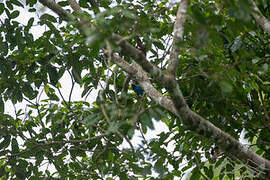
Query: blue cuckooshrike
x=137 y=89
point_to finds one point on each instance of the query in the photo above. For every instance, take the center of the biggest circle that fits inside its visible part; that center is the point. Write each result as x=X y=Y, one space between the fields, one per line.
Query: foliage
x=223 y=73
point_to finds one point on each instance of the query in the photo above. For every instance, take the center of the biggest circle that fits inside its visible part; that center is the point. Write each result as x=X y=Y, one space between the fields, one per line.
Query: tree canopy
x=200 y=67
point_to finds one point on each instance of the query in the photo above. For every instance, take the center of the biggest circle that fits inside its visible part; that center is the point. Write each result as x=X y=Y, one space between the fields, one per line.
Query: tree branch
x=166 y=79
x=57 y=9
x=178 y=36
x=141 y=77
x=261 y=20
x=189 y=118
x=125 y=85
x=75 y=6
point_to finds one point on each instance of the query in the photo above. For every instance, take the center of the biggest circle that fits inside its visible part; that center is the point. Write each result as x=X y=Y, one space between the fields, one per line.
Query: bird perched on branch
x=137 y=89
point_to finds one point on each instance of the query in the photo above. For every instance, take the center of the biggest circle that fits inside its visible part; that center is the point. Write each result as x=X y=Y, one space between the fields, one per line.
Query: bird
x=137 y=89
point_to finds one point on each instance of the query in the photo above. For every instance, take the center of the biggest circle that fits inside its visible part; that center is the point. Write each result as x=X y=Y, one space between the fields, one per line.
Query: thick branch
x=141 y=77
x=167 y=79
x=84 y=23
x=178 y=36
x=225 y=142
x=195 y=122
x=57 y=9
x=190 y=119
x=131 y=51
x=261 y=20
x=75 y=6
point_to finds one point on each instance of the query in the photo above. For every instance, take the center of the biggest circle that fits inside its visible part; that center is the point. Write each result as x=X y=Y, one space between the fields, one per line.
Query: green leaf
x=31 y=3
x=29 y=24
x=83 y=3
x=28 y=91
x=86 y=90
x=50 y=92
x=39 y=158
x=4 y=48
x=76 y=75
x=17 y=95
x=32 y=10
x=163 y=137
x=114 y=126
x=266 y=82
x=16 y=2
x=61 y=72
x=225 y=86
x=159 y=45
x=155 y=114
x=48 y=17
x=63 y=3
x=209 y=171
x=159 y=167
x=2 y=106
x=229 y=167
x=91 y=119
x=147 y=121
x=195 y=174
x=5 y=143
x=161 y=114
x=2 y=8
x=14 y=14
x=53 y=75
x=10 y=6
x=20 y=172
x=144 y=128
x=15 y=146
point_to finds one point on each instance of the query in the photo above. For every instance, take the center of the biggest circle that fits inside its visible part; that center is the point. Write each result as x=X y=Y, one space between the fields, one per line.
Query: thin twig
x=59 y=91
x=72 y=86
x=264 y=108
x=38 y=111
x=178 y=36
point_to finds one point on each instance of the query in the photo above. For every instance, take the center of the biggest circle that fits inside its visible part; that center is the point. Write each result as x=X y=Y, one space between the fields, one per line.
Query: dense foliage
x=223 y=73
